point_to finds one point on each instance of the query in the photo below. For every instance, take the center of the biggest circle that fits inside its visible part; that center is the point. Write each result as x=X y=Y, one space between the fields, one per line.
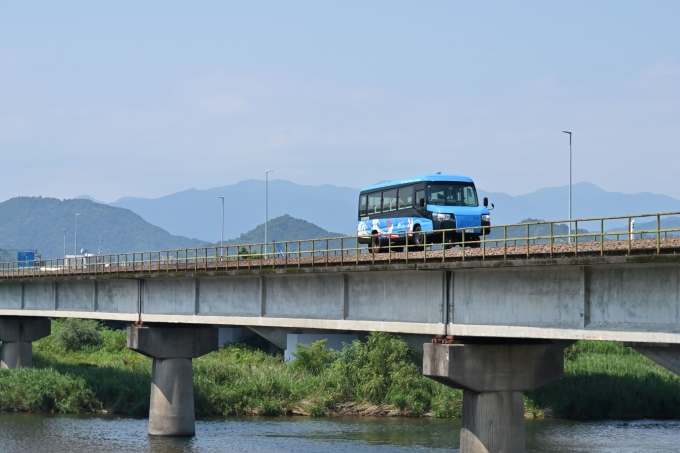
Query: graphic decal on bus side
x=386 y=227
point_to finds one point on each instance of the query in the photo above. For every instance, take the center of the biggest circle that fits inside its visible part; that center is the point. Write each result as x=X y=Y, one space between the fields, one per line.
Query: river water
x=57 y=434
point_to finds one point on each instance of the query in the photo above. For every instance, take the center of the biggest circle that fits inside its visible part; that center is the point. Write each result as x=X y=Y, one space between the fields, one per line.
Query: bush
x=115 y=340
x=312 y=358
x=76 y=334
x=383 y=368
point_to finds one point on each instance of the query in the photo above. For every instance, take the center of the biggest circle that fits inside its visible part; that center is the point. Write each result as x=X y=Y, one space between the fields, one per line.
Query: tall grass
x=44 y=391
x=381 y=372
x=378 y=376
x=604 y=380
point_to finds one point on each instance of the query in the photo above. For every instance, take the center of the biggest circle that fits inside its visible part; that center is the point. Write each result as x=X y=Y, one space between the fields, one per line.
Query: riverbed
x=63 y=433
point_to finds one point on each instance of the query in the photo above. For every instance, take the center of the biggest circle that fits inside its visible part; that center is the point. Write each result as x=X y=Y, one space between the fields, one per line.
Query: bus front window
x=452 y=194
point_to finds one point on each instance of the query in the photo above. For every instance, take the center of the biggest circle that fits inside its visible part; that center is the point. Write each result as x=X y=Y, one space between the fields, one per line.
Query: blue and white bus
x=420 y=206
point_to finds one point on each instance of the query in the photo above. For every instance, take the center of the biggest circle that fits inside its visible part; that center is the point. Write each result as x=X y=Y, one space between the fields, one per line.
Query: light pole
x=64 y=230
x=75 y=244
x=266 y=206
x=222 y=236
x=567 y=132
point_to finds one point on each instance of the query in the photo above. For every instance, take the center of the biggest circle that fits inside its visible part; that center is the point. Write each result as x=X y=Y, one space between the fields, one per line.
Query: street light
x=222 y=236
x=567 y=132
x=75 y=245
x=64 y=230
x=266 y=206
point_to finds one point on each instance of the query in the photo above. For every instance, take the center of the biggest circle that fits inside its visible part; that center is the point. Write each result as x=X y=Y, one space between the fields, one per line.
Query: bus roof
x=433 y=178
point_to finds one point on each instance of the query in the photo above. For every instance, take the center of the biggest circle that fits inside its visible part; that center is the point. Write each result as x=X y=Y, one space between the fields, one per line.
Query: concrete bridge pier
x=171 y=410
x=17 y=334
x=493 y=378
x=665 y=354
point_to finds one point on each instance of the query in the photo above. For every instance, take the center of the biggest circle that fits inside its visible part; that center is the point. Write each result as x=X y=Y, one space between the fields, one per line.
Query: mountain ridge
x=197 y=212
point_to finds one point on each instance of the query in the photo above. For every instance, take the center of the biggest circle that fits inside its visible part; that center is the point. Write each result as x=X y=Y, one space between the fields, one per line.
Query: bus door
x=420 y=200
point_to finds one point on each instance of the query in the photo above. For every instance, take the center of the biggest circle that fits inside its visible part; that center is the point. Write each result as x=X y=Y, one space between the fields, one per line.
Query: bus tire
x=475 y=244
x=375 y=242
x=417 y=240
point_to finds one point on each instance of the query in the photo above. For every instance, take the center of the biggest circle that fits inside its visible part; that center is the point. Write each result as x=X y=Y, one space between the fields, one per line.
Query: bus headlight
x=439 y=216
x=486 y=217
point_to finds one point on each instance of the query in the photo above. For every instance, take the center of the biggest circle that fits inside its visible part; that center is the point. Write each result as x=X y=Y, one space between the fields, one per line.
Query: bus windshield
x=452 y=194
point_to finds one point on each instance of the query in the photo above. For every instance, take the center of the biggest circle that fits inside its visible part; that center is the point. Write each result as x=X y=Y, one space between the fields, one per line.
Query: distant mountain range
x=34 y=222
x=588 y=201
x=197 y=213
x=296 y=212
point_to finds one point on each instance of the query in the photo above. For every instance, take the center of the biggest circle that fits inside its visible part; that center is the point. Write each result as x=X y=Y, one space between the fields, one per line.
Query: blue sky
x=140 y=98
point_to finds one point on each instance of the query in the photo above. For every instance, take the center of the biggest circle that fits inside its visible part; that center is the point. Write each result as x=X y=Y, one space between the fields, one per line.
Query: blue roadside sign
x=26 y=259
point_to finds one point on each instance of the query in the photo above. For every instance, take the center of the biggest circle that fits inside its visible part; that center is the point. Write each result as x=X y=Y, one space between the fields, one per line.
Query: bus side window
x=363 y=206
x=420 y=195
x=374 y=203
x=405 y=197
x=390 y=200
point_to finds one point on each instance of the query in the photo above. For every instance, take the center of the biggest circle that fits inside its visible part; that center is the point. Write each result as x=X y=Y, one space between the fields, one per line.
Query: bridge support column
x=493 y=377
x=171 y=411
x=16 y=334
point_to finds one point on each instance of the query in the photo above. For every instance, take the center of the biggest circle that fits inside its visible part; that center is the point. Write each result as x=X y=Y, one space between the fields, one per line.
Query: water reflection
x=31 y=432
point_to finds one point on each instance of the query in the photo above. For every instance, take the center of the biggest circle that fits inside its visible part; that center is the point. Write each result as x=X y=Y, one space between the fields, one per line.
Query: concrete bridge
x=502 y=320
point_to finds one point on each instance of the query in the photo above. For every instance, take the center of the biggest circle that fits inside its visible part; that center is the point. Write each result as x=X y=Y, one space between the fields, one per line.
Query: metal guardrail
x=512 y=241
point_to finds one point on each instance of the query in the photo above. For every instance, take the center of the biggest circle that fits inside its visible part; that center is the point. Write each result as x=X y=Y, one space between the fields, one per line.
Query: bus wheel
x=417 y=240
x=375 y=243
x=475 y=244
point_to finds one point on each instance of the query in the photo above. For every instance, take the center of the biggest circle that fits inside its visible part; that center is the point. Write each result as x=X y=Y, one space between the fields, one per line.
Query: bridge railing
x=655 y=233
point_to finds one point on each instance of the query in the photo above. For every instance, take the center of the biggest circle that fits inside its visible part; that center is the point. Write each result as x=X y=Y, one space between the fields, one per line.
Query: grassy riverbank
x=377 y=377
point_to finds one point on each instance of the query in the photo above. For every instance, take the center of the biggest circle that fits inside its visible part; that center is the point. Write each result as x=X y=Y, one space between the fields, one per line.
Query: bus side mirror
x=422 y=202
x=486 y=202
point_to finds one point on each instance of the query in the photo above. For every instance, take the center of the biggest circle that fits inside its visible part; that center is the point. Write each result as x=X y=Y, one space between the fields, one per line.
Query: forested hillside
x=36 y=222
x=283 y=228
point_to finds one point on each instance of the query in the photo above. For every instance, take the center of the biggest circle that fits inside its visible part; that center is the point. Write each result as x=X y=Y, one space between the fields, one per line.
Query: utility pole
x=64 y=230
x=222 y=236
x=75 y=244
x=266 y=207
x=567 y=132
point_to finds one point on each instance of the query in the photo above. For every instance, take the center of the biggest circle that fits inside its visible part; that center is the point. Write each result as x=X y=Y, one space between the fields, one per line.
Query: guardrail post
x=443 y=244
x=483 y=244
x=658 y=234
x=424 y=247
x=505 y=242
x=406 y=248
x=575 y=238
x=528 y=250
